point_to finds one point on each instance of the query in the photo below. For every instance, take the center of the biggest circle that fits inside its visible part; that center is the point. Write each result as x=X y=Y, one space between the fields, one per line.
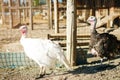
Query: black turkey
x=92 y=21
x=104 y=44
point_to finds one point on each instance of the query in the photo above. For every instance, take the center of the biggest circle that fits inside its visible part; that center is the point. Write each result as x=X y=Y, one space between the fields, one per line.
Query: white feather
x=43 y=52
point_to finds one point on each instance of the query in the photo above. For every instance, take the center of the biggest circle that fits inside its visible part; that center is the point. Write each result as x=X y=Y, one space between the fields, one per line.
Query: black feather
x=105 y=44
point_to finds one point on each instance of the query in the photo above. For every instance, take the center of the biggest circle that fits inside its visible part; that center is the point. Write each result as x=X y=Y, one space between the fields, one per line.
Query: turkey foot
x=40 y=76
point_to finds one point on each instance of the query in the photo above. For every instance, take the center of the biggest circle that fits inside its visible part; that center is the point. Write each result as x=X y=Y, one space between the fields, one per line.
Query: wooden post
x=48 y=12
x=3 y=11
x=94 y=8
x=97 y=12
x=56 y=21
x=49 y=3
x=71 y=31
x=10 y=16
x=110 y=11
x=51 y=15
x=19 y=15
x=31 y=16
x=27 y=10
x=23 y=15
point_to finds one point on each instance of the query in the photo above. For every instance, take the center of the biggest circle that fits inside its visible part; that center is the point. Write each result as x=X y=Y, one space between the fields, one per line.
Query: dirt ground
x=93 y=70
x=90 y=71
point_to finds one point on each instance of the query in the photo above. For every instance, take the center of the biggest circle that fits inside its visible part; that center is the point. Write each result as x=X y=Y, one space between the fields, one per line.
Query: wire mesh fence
x=14 y=60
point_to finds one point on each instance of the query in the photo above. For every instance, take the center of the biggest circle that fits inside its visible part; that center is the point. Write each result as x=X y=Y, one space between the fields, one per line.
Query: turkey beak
x=87 y=22
x=20 y=30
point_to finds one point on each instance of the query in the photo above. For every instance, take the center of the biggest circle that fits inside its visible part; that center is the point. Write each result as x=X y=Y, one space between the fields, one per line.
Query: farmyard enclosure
x=15 y=65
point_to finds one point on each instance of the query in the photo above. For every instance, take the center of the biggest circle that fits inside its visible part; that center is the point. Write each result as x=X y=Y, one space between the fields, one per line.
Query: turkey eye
x=92 y=17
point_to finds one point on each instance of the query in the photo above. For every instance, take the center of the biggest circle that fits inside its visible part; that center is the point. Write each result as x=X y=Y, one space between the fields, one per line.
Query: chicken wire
x=14 y=60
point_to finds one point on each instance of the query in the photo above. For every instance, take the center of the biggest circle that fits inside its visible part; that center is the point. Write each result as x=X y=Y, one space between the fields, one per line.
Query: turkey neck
x=93 y=27
x=24 y=35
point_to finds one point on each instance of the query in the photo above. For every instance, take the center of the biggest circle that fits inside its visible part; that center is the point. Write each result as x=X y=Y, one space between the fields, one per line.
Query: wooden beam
x=48 y=12
x=56 y=22
x=51 y=15
x=49 y=3
x=110 y=12
x=3 y=11
x=60 y=8
x=80 y=43
x=82 y=39
x=12 y=7
x=24 y=15
x=19 y=15
x=54 y=36
x=71 y=32
x=10 y=16
x=31 y=16
x=93 y=8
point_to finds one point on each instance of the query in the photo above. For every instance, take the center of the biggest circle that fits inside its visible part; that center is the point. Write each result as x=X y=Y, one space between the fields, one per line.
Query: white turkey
x=43 y=52
x=104 y=44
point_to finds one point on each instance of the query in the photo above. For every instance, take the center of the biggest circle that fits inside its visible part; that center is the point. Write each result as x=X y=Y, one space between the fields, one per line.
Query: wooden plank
x=79 y=43
x=51 y=15
x=49 y=3
x=82 y=39
x=49 y=36
x=3 y=11
x=48 y=13
x=10 y=16
x=60 y=8
x=31 y=16
x=22 y=7
x=63 y=44
x=107 y=18
x=7 y=7
x=19 y=15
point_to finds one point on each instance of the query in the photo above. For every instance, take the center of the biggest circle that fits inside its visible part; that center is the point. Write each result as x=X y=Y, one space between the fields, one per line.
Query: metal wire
x=14 y=60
